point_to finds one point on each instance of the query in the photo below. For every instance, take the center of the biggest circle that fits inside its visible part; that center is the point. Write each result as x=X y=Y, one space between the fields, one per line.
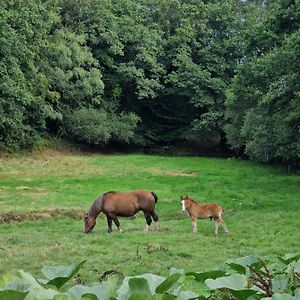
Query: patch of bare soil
x=42 y=216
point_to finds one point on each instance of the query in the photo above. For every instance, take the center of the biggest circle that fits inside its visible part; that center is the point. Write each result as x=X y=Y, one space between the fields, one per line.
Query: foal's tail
x=155 y=196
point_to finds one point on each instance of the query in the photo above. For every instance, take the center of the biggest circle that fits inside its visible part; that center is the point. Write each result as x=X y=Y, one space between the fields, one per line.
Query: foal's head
x=185 y=201
x=89 y=223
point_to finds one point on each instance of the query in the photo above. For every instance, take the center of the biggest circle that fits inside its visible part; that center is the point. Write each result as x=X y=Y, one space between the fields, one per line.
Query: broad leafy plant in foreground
x=244 y=278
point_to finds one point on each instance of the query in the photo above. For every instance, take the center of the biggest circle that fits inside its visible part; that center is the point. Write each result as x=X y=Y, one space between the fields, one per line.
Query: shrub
x=98 y=127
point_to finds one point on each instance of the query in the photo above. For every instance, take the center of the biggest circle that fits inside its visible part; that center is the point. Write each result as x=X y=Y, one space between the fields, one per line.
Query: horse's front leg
x=109 y=223
x=116 y=221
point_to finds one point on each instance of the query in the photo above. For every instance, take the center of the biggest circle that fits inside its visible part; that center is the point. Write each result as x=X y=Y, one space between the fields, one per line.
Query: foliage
x=263 y=102
x=99 y=127
x=24 y=26
x=185 y=68
x=262 y=279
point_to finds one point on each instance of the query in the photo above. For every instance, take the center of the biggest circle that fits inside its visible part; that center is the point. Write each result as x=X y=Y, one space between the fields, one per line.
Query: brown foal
x=196 y=211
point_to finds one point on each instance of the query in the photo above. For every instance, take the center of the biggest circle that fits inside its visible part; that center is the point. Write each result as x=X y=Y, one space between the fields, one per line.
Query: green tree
x=24 y=25
x=263 y=102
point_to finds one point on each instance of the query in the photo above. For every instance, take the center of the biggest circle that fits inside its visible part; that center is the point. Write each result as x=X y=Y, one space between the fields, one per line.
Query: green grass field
x=50 y=191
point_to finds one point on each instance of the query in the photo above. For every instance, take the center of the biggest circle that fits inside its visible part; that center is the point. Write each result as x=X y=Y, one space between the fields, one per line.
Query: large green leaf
x=235 y=282
x=133 y=285
x=140 y=295
x=77 y=291
x=62 y=297
x=165 y=297
x=187 y=295
x=288 y=258
x=27 y=284
x=59 y=275
x=241 y=264
x=280 y=297
x=5 y=279
x=41 y=293
x=294 y=266
x=280 y=283
x=153 y=281
x=167 y=283
x=139 y=284
x=22 y=282
x=202 y=276
x=243 y=294
x=12 y=295
x=104 y=291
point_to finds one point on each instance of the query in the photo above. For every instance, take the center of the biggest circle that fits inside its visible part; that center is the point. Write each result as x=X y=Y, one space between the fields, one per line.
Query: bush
x=98 y=127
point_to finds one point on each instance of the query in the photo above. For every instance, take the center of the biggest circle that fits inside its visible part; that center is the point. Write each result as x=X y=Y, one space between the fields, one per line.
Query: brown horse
x=210 y=211
x=116 y=204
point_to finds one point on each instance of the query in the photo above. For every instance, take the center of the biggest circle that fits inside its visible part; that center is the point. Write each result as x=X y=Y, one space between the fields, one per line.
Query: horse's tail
x=155 y=196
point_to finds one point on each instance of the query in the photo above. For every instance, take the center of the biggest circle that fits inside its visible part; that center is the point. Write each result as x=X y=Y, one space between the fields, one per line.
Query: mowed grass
x=262 y=206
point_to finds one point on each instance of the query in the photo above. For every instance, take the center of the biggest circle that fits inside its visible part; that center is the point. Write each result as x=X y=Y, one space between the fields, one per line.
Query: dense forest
x=152 y=73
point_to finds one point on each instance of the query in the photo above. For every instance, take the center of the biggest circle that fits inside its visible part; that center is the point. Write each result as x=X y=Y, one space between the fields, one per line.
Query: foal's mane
x=192 y=200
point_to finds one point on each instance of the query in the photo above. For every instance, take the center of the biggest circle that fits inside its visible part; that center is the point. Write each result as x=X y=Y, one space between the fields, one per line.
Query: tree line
x=152 y=72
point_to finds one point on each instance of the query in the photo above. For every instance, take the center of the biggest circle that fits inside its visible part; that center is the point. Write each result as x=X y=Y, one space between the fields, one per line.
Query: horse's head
x=89 y=223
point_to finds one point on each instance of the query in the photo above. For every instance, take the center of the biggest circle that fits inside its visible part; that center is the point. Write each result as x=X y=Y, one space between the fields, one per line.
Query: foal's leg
x=194 y=225
x=116 y=221
x=223 y=225
x=155 y=218
x=148 y=221
x=217 y=222
x=109 y=223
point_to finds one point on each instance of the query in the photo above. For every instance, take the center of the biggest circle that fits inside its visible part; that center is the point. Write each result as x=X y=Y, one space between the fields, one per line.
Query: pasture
x=43 y=197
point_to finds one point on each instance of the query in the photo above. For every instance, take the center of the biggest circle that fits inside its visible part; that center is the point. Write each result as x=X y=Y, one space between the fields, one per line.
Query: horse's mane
x=110 y=192
x=97 y=205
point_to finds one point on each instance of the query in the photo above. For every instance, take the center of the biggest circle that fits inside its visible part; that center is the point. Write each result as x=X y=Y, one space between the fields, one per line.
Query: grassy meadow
x=44 y=195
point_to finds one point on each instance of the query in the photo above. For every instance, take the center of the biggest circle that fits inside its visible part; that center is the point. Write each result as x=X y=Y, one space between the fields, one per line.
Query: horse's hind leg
x=148 y=221
x=155 y=218
x=109 y=223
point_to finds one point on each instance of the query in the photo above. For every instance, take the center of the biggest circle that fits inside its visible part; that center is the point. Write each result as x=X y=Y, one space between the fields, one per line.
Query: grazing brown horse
x=210 y=211
x=117 y=204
